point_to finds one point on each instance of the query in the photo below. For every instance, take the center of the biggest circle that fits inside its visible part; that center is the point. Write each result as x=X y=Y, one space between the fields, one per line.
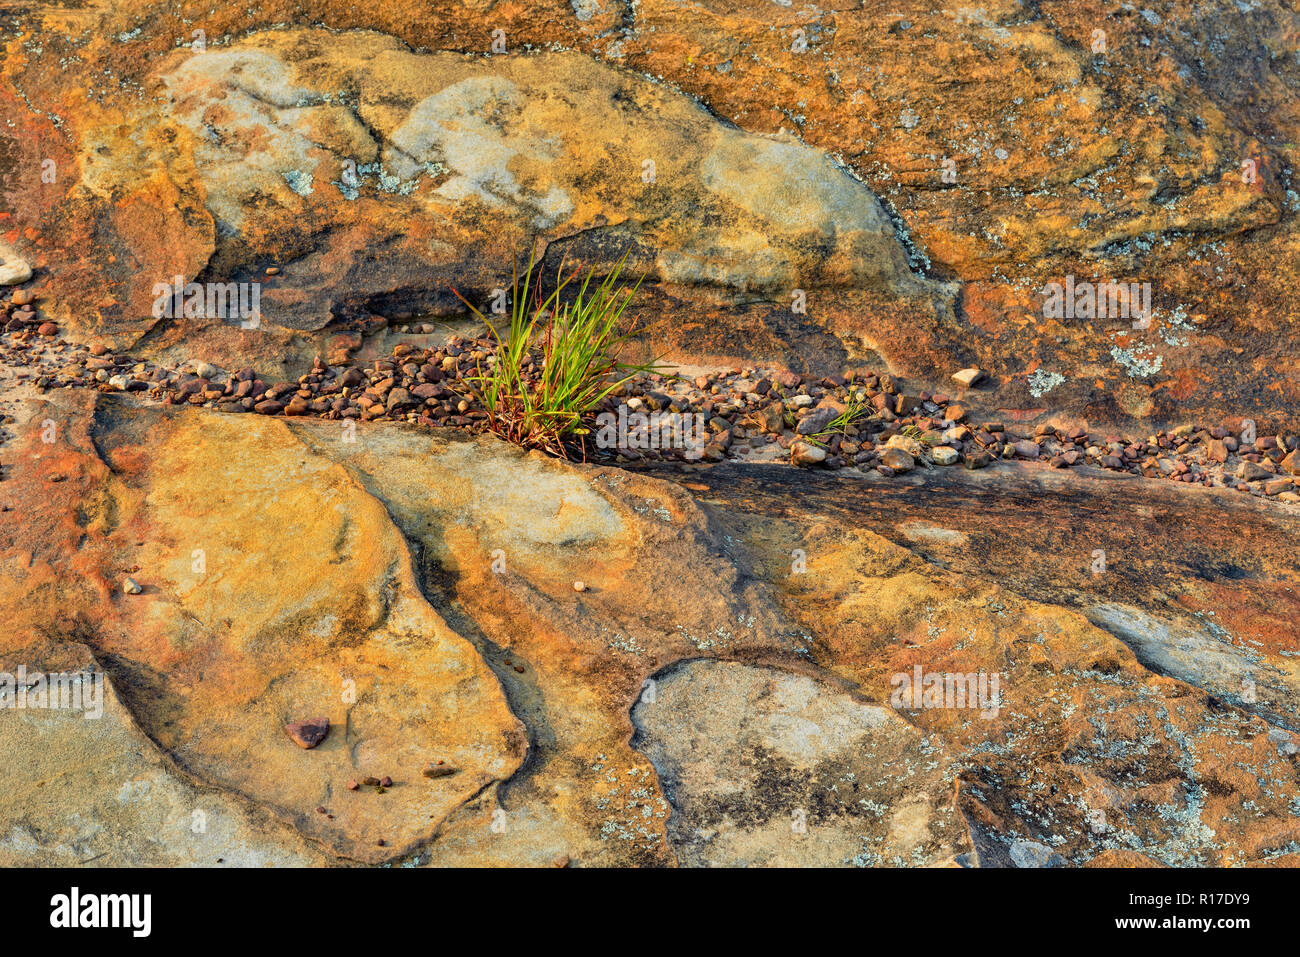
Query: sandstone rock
x=943 y=455
x=218 y=167
x=434 y=175
x=99 y=793
x=268 y=642
x=407 y=499
x=796 y=735
x=140 y=213
x=967 y=377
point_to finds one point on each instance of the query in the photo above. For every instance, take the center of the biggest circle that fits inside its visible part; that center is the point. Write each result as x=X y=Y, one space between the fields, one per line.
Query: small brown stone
x=1250 y=472
x=307 y=734
x=897 y=460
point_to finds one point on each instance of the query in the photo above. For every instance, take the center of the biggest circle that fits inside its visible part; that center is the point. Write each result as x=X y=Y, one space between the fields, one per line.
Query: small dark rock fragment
x=307 y=734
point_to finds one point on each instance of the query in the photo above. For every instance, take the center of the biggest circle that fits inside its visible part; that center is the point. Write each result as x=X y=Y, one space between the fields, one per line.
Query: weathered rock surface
x=237 y=635
x=809 y=186
x=1082 y=141
x=381 y=178
x=767 y=768
x=774 y=623
x=96 y=791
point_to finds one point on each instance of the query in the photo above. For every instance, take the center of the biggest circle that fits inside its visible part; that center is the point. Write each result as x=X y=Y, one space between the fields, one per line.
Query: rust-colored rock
x=1003 y=665
x=307 y=734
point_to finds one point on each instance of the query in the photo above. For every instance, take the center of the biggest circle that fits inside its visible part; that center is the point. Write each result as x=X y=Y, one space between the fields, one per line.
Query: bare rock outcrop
x=417 y=588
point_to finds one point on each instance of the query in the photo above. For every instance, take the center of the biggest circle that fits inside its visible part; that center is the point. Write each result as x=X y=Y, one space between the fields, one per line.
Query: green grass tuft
x=558 y=361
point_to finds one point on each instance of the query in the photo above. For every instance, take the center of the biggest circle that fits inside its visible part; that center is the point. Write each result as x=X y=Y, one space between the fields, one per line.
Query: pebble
x=1250 y=472
x=896 y=460
x=743 y=414
x=805 y=453
x=579 y=586
x=131 y=587
x=968 y=377
x=906 y=444
x=309 y=733
x=815 y=422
